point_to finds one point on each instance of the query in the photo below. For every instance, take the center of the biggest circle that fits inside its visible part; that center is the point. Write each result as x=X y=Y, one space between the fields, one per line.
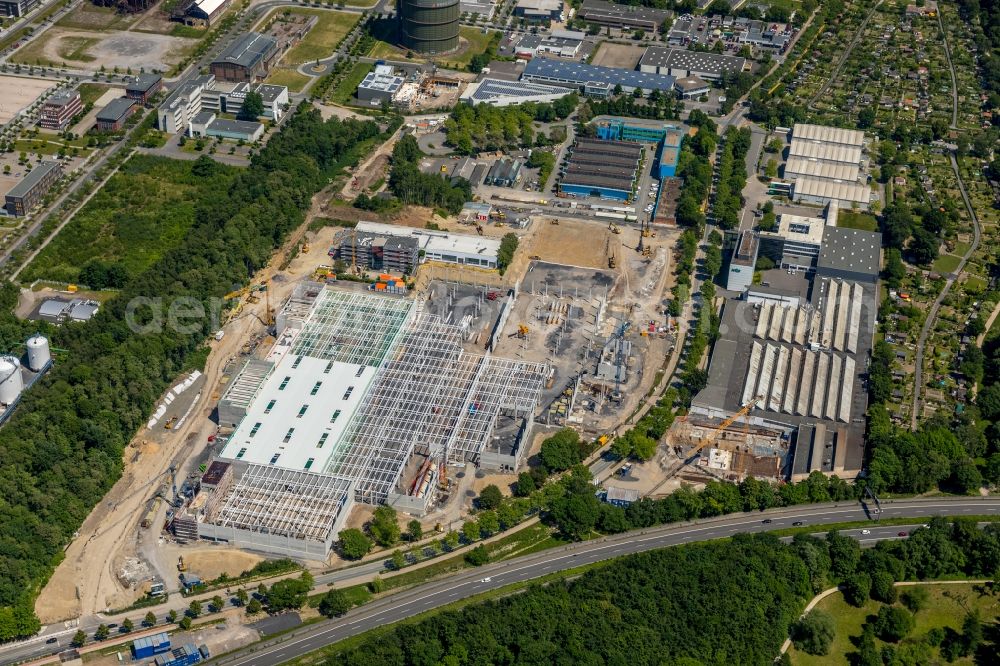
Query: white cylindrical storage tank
x=11 y=383
x=38 y=352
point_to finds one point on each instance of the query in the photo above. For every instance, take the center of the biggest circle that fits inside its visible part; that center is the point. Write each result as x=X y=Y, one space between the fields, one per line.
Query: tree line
x=412 y=186
x=473 y=129
x=62 y=449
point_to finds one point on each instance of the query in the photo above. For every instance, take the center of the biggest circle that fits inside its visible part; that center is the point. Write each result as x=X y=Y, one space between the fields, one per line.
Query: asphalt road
x=432 y=595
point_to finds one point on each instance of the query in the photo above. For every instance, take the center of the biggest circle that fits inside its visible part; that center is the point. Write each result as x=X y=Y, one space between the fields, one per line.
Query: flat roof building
x=113 y=116
x=604 y=169
x=505 y=172
x=624 y=17
x=205 y=12
x=248 y=58
x=499 y=92
x=379 y=87
x=743 y=262
x=183 y=104
x=684 y=63
x=59 y=109
x=689 y=87
x=17 y=8
x=850 y=254
x=29 y=192
x=577 y=75
x=824 y=152
x=539 y=10
x=140 y=88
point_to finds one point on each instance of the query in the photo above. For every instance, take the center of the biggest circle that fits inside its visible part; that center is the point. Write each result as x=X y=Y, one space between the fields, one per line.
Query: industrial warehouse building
x=539 y=10
x=801 y=361
x=363 y=399
x=683 y=63
x=667 y=137
x=248 y=58
x=388 y=247
x=29 y=192
x=206 y=124
x=826 y=166
x=605 y=169
x=594 y=79
x=623 y=17
x=506 y=93
x=59 y=109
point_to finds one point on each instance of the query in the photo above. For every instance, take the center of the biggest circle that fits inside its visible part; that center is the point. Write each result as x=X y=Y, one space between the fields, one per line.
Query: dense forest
x=62 y=449
x=722 y=603
x=412 y=186
x=719 y=603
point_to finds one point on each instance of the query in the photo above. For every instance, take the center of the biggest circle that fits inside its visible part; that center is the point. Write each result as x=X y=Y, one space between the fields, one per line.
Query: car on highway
x=902 y=534
x=766 y=521
x=866 y=531
x=798 y=523
x=486 y=580
x=52 y=640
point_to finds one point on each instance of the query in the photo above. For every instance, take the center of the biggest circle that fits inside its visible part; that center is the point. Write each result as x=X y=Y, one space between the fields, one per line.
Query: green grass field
x=320 y=42
x=91 y=92
x=850 y=220
x=946 y=263
x=91 y=17
x=345 y=90
x=947 y=608
x=75 y=48
x=142 y=212
x=475 y=42
x=961 y=248
x=289 y=78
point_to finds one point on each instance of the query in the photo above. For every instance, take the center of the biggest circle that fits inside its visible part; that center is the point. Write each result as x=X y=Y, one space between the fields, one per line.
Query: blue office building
x=149 y=646
x=668 y=136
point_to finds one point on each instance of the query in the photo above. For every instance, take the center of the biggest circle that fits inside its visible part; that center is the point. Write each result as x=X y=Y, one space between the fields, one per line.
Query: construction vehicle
x=647 y=251
x=305 y=247
x=479 y=229
x=556 y=222
x=498 y=215
x=169 y=423
x=180 y=564
x=614 y=228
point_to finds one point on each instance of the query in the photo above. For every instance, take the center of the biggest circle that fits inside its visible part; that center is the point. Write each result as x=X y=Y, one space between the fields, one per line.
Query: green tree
x=242 y=597
x=79 y=638
x=814 y=633
x=478 y=556
x=254 y=606
x=398 y=560
x=883 y=587
x=471 y=530
x=414 y=530
x=128 y=625
x=217 y=604
x=561 y=451
x=253 y=106
x=385 y=526
x=354 y=544
x=895 y=271
x=376 y=585
x=490 y=497
x=771 y=168
x=508 y=246
x=149 y=620
x=893 y=623
x=288 y=594
x=526 y=484
x=334 y=603
x=857 y=589
x=194 y=609
x=185 y=623
x=172 y=616
x=451 y=540
x=488 y=522
x=102 y=632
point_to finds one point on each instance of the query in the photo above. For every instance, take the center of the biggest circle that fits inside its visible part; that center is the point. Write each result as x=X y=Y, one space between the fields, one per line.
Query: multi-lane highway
x=433 y=595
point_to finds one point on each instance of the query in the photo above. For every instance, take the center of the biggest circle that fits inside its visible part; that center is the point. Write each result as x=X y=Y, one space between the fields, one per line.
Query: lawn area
x=321 y=41
x=75 y=48
x=861 y=221
x=50 y=144
x=91 y=17
x=961 y=248
x=345 y=90
x=946 y=263
x=975 y=283
x=947 y=608
x=145 y=210
x=291 y=79
x=91 y=92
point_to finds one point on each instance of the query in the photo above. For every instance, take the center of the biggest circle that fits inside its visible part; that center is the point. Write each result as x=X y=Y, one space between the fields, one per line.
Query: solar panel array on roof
x=490 y=89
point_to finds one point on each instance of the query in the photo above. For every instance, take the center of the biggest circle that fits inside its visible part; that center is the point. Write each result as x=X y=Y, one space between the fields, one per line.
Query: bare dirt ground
x=618 y=55
x=374 y=167
x=571 y=242
x=112 y=49
x=86 y=580
x=17 y=93
x=211 y=563
x=328 y=111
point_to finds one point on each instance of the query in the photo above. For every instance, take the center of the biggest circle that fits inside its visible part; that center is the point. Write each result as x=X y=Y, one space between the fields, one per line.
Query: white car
x=866 y=531
x=486 y=580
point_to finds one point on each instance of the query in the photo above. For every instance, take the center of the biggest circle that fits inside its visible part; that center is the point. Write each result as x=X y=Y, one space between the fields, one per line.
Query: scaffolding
x=433 y=396
x=352 y=328
x=282 y=502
